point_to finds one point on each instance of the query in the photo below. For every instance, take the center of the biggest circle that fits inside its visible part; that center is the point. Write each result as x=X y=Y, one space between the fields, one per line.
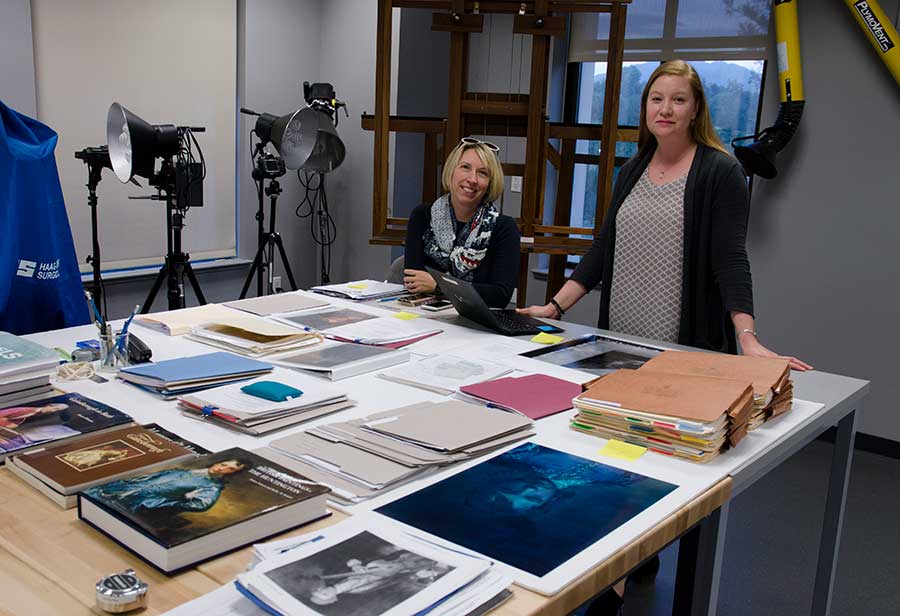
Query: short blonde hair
x=487 y=156
x=702 y=130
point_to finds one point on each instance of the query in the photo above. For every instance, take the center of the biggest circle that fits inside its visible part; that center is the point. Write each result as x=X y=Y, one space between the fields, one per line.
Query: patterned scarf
x=459 y=255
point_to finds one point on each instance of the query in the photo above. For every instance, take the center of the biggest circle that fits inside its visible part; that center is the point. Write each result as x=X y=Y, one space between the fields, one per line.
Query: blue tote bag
x=40 y=286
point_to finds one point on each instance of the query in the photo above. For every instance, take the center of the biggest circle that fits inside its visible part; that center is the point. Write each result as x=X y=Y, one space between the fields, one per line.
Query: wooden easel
x=522 y=116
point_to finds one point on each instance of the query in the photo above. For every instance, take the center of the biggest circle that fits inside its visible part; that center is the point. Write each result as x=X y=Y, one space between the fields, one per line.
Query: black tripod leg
x=195 y=285
x=255 y=268
x=160 y=277
x=284 y=259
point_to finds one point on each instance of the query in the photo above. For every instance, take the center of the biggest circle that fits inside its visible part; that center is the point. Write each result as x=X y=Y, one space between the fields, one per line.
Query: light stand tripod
x=268 y=167
x=96 y=159
x=177 y=263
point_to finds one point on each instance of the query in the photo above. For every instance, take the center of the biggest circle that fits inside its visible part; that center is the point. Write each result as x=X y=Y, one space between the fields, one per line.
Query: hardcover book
x=52 y=419
x=20 y=355
x=190 y=511
x=98 y=458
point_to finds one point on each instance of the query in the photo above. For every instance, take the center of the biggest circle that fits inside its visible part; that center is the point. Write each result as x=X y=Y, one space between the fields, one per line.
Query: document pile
x=252 y=336
x=341 y=360
x=357 y=567
x=278 y=400
x=361 y=290
x=360 y=459
x=773 y=389
x=445 y=374
x=268 y=305
x=25 y=369
x=184 y=375
x=533 y=395
x=180 y=322
x=384 y=331
x=689 y=416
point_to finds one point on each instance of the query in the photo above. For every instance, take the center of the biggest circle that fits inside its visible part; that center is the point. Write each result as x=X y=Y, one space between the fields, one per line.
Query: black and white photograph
x=359 y=576
x=609 y=361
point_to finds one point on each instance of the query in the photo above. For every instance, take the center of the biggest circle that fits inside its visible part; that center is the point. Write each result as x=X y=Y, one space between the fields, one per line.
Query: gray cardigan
x=716 y=272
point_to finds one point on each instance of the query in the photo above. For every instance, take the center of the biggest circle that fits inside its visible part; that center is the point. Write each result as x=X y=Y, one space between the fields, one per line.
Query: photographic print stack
x=773 y=389
x=358 y=568
x=685 y=415
x=363 y=458
x=25 y=369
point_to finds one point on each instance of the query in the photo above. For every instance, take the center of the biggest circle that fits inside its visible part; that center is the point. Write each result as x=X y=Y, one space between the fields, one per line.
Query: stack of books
x=184 y=375
x=445 y=374
x=362 y=458
x=25 y=369
x=61 y=471
x=252 y=336
x=361 y=290
x=59 y=418
x=689 y=416
x=532 y=395
x=773 y=389
x=189 y=511
x=357 y=567
x=237 y=407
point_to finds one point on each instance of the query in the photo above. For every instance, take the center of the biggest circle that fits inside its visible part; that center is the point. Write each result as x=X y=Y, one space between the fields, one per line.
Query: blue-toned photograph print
x=532 y=508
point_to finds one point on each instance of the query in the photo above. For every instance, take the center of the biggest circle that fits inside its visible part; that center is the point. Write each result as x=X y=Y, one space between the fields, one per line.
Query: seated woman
x=462 y=233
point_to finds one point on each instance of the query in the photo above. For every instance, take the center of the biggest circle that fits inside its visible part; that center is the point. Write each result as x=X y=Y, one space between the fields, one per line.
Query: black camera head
x=96 y=156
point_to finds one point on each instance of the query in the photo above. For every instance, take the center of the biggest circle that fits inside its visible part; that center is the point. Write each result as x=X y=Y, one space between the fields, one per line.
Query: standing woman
x=462 y=233
x=671 y=255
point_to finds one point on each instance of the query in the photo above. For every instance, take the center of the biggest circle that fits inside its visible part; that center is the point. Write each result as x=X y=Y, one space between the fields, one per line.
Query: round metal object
x=121 y=592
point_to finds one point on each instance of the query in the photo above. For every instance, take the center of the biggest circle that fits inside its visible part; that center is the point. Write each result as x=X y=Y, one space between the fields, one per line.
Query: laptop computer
x=468 y=303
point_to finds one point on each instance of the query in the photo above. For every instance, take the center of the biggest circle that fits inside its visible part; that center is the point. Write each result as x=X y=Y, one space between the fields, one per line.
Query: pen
x=100 y=323
x=388 y=299
x=120 y=343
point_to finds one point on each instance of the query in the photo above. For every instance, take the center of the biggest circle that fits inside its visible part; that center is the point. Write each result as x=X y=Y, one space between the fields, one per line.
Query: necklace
x=661 y=173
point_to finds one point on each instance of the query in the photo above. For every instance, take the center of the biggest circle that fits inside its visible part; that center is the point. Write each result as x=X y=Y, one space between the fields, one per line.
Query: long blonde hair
x=702 y=130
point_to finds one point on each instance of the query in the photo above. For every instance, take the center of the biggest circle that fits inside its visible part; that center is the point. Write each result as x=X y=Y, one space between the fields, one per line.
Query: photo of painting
x=361 y=575
x=532 y=508
x=595 y=354
x=608 y=361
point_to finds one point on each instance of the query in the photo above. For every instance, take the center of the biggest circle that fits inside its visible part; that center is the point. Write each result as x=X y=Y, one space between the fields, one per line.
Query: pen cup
x=113 y=351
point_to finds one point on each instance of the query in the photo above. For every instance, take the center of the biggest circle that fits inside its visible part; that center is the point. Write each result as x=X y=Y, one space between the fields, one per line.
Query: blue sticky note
x=546 y=328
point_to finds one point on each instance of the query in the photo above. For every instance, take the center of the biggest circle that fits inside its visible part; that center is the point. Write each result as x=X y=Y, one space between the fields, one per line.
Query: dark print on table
x=532 y=508
x=608 y=361
x=360 y=576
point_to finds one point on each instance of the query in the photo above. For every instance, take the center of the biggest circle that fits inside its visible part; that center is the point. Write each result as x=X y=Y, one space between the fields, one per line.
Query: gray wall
x=823 y=236
x=348 y=63
x=17 y=57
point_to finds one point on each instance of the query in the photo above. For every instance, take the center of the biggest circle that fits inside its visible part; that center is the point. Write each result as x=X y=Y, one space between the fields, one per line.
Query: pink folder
x=533 y=395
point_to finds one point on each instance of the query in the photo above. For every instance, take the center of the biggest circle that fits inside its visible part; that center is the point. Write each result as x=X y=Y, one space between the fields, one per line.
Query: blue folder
x=197 y=368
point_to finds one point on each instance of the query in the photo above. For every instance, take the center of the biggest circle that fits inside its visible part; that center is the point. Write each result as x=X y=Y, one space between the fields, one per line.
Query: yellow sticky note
x=545 y=338
x=357 y=285
x=406 y=316
x=622 y=450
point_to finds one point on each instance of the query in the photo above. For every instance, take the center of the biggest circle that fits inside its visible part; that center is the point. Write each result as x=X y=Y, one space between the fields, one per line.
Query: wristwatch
x=121 y=592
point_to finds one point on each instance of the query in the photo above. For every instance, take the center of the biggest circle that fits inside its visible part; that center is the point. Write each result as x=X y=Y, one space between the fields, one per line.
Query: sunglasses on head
x=473 y=141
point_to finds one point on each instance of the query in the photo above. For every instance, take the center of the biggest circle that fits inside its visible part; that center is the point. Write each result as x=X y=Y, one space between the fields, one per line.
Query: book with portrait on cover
x=77 y=465
x=187 y=512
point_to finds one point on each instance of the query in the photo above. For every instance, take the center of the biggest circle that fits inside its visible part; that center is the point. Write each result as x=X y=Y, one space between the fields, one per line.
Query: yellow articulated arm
x=871 y=18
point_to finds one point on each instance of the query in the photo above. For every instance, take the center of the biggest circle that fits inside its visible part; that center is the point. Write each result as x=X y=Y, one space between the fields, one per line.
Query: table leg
x=700 y=566
x=834 y=514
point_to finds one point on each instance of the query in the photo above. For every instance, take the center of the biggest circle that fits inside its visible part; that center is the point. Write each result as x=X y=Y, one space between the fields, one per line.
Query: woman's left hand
x=417 y=281
x=751 y=346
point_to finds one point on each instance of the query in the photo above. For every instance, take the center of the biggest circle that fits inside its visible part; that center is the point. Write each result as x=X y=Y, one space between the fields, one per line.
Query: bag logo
x=881 y=37
x=42 y=271
x=26 y=268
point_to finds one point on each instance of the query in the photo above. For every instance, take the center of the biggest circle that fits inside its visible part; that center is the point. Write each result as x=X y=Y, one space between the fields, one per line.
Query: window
x=725 y=41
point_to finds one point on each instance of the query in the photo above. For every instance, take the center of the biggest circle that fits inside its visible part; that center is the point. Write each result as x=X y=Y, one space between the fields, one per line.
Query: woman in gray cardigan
x=670 y=256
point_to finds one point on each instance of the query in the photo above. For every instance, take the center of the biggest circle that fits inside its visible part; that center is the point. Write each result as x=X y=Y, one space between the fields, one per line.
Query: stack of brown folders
x=773 y=390
x=684 y=415
x=363 y=458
